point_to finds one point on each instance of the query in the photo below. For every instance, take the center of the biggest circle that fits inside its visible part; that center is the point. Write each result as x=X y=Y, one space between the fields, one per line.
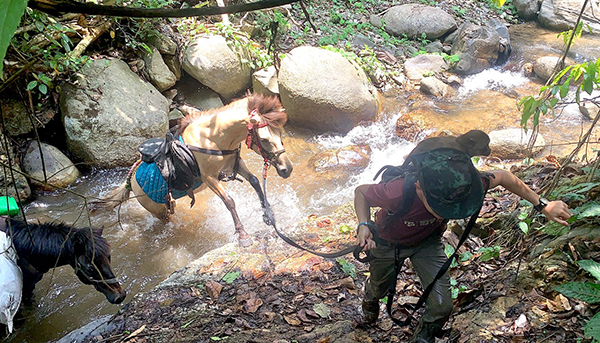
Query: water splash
x=491 y=79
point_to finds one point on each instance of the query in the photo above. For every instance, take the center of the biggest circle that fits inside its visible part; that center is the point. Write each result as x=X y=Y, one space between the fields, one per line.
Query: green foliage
x=488 y=253
x=231 y=277
x=456 y=290
x=588 y=292
x=11 y=12
x=584 y=77
x=347 y=267
x=459 y=11
x=346 y=229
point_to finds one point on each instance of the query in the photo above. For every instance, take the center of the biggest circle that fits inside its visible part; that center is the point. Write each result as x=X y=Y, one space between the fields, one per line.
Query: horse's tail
x=118 y=195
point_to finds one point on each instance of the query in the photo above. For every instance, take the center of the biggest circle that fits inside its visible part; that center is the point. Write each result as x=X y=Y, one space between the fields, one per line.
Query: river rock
x=527 y=9
x=544 y=66
x=210 y=60
x=264 y=81
x=511 y=144
x=323 y=91
x=478 y=48
x=562 y=15
x=416 y=67
x=158 y=72
x=16 y=118
x=60 y=171
x=23 y=191
x=162 y=43
x=416 y=21
x=109 y=111
x=433 y=86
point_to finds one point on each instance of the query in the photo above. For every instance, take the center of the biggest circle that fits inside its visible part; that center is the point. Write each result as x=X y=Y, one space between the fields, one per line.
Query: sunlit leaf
x=524 y=227
x=231 y=277
x=592 y=328
x=11 y=12
x=588 y=292
x=322 y=310
x=591 y=267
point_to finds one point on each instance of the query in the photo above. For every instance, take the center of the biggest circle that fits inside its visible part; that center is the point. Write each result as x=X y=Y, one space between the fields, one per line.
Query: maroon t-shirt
x=408 y=230
x=412 y=228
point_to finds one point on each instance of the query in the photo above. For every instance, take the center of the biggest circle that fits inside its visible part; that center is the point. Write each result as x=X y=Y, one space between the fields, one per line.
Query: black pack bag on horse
x=175 y=161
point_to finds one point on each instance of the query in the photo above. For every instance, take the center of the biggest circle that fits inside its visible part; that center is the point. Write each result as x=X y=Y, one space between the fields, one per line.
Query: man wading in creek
x=445 y=185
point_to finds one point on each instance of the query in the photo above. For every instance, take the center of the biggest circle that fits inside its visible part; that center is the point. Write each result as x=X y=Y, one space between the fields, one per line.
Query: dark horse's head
x=41 y=247
x=92 y=264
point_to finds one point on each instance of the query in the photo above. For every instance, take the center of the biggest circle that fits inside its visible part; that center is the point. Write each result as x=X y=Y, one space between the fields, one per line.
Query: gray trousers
x=426 y=259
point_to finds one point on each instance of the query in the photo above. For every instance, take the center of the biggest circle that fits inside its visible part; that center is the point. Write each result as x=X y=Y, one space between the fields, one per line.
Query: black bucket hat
x=451 y=183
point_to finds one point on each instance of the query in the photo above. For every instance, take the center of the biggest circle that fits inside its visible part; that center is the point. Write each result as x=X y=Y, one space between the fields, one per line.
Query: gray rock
x=433 y=86
x=323 y=91
x=478 y=47
x=60 y=171
x=17 y=120
x=419 y=66
x=562 y=15
x=544 y=66
x=19 y=182
x=109 y=112
x=527 y=9
x=210 y=60
x=510 y=144
x=414 y=20
x=158 y=72
x=163 y=43
x=264 y=81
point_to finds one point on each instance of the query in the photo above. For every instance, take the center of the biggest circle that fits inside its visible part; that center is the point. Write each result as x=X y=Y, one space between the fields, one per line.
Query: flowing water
x=145 y=250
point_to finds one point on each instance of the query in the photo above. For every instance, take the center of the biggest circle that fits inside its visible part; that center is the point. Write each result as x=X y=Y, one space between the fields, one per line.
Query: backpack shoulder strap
x=408 y=197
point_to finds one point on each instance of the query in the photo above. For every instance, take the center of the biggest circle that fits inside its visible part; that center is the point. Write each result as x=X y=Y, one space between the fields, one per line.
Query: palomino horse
x=41 y=247
x=215 y=138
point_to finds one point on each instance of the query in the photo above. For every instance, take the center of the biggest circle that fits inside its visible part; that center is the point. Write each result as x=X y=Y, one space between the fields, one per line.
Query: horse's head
x=92 y=264
x=264 y=133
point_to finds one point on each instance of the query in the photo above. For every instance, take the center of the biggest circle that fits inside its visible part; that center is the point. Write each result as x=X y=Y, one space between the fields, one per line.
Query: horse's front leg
x=268 y=216
x=243 y=238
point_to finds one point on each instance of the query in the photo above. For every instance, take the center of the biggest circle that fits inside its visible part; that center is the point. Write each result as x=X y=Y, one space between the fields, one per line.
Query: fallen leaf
x=322 y=310
x=253 y=304
x=214 y=289
x=303 y=316
x=136 y=332
x=292 y=319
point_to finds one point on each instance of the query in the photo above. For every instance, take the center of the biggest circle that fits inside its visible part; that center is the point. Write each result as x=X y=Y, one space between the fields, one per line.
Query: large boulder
x=562 y=15
x=210 y=60
x=323 y=91
x=478 y=48
x=527 y=9
x=414 y=20
x=109 y=111
x=59 y=170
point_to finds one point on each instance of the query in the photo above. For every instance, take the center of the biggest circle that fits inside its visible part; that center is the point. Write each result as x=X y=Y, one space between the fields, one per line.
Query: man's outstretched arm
x=556 y=210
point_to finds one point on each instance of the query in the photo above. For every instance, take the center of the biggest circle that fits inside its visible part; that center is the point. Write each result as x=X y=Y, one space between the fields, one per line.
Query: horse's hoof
x=245 y=242
x=268 y=219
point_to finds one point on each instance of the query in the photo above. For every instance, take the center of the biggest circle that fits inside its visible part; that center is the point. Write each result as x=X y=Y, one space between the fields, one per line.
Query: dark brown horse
x=41 y=247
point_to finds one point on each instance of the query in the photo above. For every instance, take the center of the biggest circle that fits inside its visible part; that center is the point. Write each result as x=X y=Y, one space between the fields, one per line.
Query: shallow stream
x=145 y=250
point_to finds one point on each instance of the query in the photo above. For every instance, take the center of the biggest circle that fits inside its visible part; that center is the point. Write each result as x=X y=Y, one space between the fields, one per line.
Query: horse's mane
x=268 y=108
x=46 y=239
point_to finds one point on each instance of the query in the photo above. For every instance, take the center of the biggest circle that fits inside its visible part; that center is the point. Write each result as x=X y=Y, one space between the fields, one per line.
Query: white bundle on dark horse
x=11 y=282
x=214 y=138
